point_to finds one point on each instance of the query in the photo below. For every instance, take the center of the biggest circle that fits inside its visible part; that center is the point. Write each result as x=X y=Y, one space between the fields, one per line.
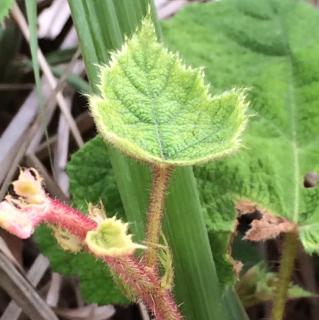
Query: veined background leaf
x=271 y=47
x=91 y=178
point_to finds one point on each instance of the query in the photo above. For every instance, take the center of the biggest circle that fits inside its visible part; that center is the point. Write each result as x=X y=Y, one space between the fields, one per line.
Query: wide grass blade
x=101 y=26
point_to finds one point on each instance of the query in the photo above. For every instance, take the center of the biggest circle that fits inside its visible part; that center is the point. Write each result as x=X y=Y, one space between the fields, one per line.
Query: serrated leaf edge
x=139 y=153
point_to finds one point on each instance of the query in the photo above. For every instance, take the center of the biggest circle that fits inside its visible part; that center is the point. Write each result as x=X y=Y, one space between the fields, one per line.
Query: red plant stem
x=155 y=213
x=146 y=285
x=141 y=279
x=68 y=218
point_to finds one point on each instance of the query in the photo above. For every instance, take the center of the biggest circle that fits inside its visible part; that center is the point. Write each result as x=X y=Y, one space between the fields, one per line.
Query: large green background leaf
x=271 y=47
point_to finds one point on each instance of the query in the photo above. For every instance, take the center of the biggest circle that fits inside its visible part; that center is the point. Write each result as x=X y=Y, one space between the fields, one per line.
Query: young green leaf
x=265 y=46
x=156 y=109
x=111 y=239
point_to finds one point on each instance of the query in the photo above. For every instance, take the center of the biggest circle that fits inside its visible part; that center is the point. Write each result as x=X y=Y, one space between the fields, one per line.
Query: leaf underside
x=154 y=108
x=265 y=46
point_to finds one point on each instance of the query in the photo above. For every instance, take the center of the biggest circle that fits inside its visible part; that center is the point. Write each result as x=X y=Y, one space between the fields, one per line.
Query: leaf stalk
x=287 y=262
x=155 y=213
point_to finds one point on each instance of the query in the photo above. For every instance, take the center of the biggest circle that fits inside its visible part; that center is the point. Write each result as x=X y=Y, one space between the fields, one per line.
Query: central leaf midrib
x=294 y=143
x=293 y=122
x=154 y=105
x=157 y=126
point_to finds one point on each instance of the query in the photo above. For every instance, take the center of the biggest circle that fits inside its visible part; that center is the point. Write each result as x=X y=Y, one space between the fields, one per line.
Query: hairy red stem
x=69 y=219
x=155 y=213
x=146 y=285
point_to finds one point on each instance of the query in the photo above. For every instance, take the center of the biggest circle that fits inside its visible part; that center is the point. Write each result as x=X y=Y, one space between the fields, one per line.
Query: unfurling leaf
x=156 y=109
x=29 y=186
x=264 y=46
x=21 y=213
x=111 y=239
x=258 y=285
x=31 y=206
x=66 y=240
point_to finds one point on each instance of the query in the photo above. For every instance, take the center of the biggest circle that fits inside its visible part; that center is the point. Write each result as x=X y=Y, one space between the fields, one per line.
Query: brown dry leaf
x=245 y=207
x=268 y=227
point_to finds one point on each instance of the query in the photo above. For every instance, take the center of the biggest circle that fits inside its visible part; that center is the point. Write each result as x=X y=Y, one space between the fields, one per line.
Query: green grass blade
x=100 y=26
x=195 y=274
x=73 y=80
x=31 y=6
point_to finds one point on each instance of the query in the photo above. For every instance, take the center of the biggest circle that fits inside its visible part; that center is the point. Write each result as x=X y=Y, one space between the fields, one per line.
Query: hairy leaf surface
x=154 y=108
x=265 y=46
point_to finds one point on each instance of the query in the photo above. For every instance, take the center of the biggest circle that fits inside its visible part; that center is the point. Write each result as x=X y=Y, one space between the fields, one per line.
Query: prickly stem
x=155 y=213
x=69 y=219
x=146 y=285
